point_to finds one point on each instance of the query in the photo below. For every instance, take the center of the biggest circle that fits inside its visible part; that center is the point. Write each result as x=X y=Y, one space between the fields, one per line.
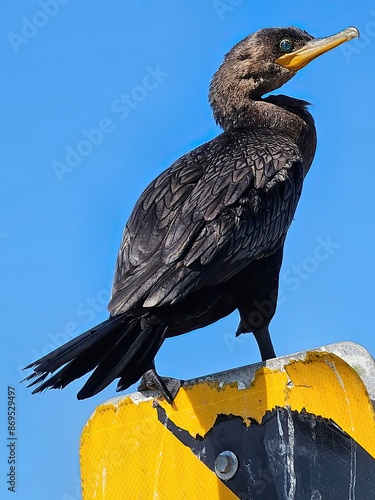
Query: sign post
x=299 y=426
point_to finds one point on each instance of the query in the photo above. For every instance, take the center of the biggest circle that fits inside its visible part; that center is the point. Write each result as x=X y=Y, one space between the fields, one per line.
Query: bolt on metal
x=226 y=465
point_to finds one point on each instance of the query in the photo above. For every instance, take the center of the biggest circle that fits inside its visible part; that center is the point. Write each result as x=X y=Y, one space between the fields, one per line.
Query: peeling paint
x=290 y=459
x=353 y=470
x=104 y=478
x=332 y=365
x=125 y=434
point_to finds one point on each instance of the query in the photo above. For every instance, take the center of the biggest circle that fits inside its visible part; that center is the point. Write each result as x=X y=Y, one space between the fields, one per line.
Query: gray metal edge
x=353 y=354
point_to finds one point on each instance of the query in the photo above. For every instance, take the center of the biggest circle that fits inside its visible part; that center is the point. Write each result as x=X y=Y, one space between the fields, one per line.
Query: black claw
x=161 y=386
x=168 y=387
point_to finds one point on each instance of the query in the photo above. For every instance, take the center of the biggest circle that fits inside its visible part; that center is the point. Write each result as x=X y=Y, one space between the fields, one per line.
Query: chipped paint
x=290 y=459
x=353 y=470
x=124 y=433
x=332 y=365
x=104 y=477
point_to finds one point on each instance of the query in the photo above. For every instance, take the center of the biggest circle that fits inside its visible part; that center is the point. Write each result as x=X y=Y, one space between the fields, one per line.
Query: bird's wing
x=204 y=219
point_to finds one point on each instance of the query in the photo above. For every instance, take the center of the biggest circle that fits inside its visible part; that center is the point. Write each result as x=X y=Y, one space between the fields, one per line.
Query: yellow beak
x=298 y=59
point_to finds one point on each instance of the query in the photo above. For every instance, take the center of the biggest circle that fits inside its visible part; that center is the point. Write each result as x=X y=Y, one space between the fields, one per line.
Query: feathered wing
x=204 y=219
x=199 y=223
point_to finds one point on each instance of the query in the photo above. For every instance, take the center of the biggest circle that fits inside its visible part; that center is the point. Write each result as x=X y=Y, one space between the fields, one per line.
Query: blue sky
x=77 y=151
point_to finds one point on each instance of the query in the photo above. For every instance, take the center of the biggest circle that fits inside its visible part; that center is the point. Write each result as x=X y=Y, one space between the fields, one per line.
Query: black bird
x=206 y=237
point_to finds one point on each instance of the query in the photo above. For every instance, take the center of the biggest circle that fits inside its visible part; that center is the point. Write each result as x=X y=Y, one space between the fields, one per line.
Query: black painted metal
x=290 y=455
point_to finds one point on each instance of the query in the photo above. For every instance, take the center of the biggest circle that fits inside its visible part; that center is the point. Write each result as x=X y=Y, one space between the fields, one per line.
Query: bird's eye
x=286 y=45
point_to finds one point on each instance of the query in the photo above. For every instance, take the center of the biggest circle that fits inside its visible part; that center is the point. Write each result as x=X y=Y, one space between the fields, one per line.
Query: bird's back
x=209 y=215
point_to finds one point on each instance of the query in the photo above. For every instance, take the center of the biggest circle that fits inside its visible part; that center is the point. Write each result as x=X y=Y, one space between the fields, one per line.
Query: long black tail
x=120 y=347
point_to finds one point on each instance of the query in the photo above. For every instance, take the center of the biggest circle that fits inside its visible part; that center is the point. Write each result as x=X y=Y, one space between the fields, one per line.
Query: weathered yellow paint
x=334 y=391
x=127 y=453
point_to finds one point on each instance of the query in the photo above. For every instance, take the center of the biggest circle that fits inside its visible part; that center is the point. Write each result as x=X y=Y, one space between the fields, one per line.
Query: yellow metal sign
x=138 y=448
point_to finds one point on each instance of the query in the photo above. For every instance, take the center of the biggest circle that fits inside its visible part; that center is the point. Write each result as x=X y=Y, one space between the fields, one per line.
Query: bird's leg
x=168 y=387
x=264 y=341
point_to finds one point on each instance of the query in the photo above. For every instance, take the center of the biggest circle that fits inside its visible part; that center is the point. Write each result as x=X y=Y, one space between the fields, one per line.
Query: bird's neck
x=277 y=112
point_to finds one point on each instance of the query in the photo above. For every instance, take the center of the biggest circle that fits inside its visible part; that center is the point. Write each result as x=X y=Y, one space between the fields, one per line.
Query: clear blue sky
x=66 y=72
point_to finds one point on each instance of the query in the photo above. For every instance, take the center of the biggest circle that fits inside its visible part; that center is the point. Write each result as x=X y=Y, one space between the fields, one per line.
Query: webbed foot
x=167 y=386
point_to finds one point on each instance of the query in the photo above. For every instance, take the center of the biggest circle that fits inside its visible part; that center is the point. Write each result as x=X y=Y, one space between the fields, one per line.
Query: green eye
x=286 y=46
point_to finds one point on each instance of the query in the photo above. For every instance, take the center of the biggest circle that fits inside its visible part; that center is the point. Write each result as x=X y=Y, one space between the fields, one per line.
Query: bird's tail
x=120 y=347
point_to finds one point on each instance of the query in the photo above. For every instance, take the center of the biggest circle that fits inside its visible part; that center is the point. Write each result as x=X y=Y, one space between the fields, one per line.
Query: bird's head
x=263 y=62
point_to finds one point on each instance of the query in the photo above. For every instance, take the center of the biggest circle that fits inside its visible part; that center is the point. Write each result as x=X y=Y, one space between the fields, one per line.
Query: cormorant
x=206 y=237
